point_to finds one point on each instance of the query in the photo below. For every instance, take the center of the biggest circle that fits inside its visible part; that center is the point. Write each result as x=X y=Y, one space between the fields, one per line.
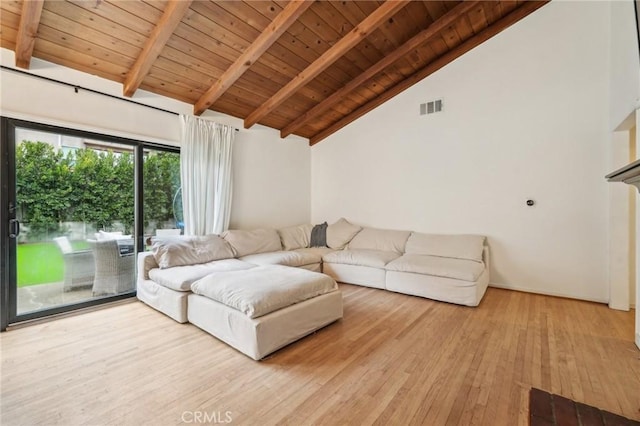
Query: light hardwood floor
x=393 y=359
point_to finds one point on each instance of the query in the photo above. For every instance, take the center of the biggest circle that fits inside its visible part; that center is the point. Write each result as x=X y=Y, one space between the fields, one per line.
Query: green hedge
x=89 y=186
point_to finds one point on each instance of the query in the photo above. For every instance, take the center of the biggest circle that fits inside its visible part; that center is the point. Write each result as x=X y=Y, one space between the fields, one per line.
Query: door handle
x=14 y=228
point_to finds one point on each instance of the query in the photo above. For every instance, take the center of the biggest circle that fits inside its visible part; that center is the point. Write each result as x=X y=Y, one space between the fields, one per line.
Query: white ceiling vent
x=431 y=107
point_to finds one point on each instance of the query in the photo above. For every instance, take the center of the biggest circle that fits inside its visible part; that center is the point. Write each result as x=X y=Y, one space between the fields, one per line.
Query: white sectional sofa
x=449 y=268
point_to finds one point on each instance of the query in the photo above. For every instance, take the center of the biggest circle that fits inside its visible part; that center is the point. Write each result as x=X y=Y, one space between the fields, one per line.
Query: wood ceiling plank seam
x=182 y=71
x=177 y=55
x=335 y=77
x=64 y=52
x=504 y=22
x=267 y=69
x=508 y=6
x=492 y=11
x=342 y=26
x=158 y=4
x=176 y=80
x=140 y=9
x=219 y=51
x=357 y=61
x=450 y=37
x=117 y=15
x=367 y=7
x=463 y=28
x=54 y=53
x=212 y=30
x=252 y=16
x=73 y=44
x=432 y=32
x=225 y=103
x=260 y=45
x=7 y=36
x=161 y=33
x=354 y=17
x=311 y=25
x=14 y=7
x=27 y=32
x=287 y=40
x=228 y=21
x=274 y=63
x=98 y=23
x=478 y=19
x=371 y=22
x=346 y=105
x=435 y=9
x=191 y=82
x=350 y=11
x=152 y=87
x=73 y=28
x=10 y=19
x=438 y=46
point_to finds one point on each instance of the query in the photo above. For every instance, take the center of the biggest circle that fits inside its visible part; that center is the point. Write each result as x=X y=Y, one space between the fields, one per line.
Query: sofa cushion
x=340 y=233
x=456 y=246
x=180 y=278
x=361 y=257
x=317 y=251
x=189 y=250
x=448 y=267
x=295 y=237
x=286 y=258
x=380 y=239
x=264 y=289
x=253 y=241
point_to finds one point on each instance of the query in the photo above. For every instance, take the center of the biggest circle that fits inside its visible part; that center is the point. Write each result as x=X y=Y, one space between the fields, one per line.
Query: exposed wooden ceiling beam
x=525 y=9
x=27 y=31
x=167 y=24
x=269 y=36
x=420 y=38
x=355 y=36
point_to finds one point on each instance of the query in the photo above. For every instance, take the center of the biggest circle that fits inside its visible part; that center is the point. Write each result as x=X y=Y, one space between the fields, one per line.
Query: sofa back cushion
x=295 y=237
x=190 y=250
x=380 y=239
x=253 y=241
x=457 y=246
x=341 y=233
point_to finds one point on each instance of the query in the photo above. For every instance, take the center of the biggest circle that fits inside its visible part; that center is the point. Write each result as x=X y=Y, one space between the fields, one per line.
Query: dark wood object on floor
x=550 y=409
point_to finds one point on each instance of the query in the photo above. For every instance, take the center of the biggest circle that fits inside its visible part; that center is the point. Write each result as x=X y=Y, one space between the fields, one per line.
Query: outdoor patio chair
x=78 y=265
x=114 y=265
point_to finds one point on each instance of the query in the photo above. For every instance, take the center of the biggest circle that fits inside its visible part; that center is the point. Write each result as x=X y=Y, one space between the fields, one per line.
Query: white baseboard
x=638 y=340
x=547 y=293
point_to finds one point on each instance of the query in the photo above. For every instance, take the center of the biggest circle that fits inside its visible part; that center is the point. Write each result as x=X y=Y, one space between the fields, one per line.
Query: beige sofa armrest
x=146 y=262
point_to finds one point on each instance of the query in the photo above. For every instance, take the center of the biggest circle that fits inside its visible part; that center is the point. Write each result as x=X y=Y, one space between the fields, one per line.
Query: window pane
x=75 y=203
x=162 y=195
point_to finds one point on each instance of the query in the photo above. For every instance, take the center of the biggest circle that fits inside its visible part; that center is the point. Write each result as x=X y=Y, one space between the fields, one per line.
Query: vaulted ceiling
x=303 y=67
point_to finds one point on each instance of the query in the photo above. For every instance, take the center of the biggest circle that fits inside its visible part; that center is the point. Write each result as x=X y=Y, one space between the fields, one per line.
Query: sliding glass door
x=163 y=196
x=70 y=216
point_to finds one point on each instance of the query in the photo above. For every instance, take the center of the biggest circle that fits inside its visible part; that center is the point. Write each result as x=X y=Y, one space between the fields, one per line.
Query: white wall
x=271 y=175
x=525 y=116
x=625 y=63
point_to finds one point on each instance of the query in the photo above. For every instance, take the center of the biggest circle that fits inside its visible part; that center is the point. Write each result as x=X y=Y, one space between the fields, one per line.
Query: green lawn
x=40 y=263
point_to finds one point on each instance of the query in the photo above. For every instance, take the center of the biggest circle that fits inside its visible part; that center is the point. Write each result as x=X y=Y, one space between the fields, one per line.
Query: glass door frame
x=8 y=246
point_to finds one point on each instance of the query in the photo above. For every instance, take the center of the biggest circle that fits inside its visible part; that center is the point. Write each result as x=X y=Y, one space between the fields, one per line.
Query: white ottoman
x=260 y=310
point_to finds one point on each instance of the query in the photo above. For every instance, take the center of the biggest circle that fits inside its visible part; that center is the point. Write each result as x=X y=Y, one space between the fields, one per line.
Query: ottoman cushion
x=264 y=289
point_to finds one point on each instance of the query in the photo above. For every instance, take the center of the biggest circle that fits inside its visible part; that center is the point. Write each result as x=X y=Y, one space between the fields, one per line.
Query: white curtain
x=205 y=172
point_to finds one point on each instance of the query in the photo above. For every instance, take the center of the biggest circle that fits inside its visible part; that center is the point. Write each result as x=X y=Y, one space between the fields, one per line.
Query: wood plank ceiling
x=303 y=67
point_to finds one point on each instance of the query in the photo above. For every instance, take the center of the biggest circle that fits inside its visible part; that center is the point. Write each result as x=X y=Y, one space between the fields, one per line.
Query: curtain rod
x=77 y=88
